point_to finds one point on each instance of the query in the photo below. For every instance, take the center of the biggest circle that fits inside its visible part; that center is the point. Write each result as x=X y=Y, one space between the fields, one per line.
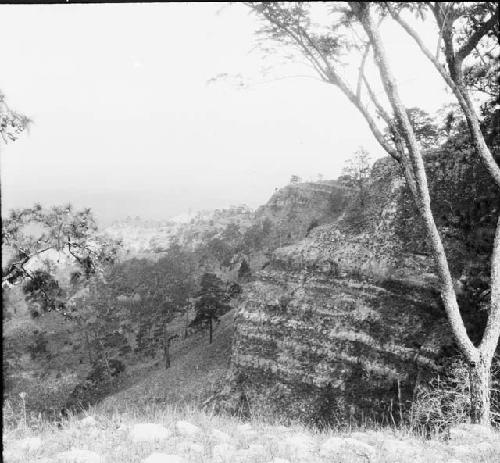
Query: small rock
x=346 y=449
x=246 y=431
x=360 y=447
x=88 y=421
x=30 y=444
x=398 y=450
x=331 y=445
x=360 y=435
x=243 y=428
x=471 y=432
x=253 y=453
x=220 y=435
x=223 y=452
x=191 y=447
x=300 y=444
x=257 y=449
x=281 y=428
x=148 y=432
x=8 y=455
x=485 y=447
x=185 y=428
x=79 y=456
x=464 y=451
x=158 y=457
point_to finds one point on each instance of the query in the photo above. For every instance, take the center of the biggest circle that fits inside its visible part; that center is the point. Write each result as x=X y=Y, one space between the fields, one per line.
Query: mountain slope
x=196 y=370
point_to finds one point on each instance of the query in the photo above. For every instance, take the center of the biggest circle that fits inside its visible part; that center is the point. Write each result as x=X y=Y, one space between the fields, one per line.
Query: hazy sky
x=125 y=123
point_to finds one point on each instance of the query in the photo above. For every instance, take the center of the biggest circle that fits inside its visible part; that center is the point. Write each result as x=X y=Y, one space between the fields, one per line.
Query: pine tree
x=211 y=303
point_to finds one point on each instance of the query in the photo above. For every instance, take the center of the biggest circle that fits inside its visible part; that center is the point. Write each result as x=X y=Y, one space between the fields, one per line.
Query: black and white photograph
x=250 y=232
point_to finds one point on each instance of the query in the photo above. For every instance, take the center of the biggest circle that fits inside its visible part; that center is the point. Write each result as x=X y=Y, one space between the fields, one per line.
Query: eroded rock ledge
x=349 y=320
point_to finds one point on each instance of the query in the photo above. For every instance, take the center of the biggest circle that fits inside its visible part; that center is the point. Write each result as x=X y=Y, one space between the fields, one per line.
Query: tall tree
x=355 y=26
x=212 y=302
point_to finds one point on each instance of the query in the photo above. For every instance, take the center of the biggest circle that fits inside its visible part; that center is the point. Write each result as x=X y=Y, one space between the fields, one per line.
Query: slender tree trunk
x=105 y=358
x=480 y=378
x=211 y=329
x=415 y=173
x=166 y=353
x=479 y=359
x=89 y=350
x=166 y=348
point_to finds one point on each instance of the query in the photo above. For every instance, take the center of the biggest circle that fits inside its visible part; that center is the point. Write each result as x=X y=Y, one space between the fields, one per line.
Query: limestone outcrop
x=349 y=319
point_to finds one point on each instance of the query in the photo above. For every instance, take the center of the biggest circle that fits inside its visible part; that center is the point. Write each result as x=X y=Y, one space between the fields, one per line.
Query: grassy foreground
x=106 y=435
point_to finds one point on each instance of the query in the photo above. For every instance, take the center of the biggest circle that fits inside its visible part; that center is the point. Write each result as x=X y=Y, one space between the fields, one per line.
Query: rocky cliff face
x=297 y=208
x=347 y=321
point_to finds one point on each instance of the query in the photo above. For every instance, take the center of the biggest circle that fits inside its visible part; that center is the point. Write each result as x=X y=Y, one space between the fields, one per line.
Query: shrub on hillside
x=41 y=395
x=445 y=400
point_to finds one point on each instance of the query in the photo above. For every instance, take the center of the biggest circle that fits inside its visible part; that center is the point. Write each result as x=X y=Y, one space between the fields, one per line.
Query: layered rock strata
x=349 y=320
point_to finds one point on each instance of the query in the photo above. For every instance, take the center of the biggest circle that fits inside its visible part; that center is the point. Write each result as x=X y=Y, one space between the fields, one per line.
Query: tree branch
x=19 y=265
x=475 y=38
x=453 y=80
x=327 y=73
x=381 y=110
x=361 y=70
x=369 y=119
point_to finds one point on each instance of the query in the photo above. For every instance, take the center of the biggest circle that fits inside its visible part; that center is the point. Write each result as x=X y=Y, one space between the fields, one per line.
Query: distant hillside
x=290 y=214
x=148 y=238
x=52 y=348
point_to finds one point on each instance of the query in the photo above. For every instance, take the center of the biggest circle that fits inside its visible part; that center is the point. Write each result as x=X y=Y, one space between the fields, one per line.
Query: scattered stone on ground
x=158 y=457
x=219 y=436
x=468 y=443
x=471 y=432
x=485 y=447
x=191 y=447
x=185 y=428
x=254 y=452
x=243 y=428
x=30 y=444
x=79 y=456
x=301 y=445
x=397 y=450
x=347 y=449
x=88 y=421
x=223 y=452
x=148 y=432
x=246 y=431
x=122 y=427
